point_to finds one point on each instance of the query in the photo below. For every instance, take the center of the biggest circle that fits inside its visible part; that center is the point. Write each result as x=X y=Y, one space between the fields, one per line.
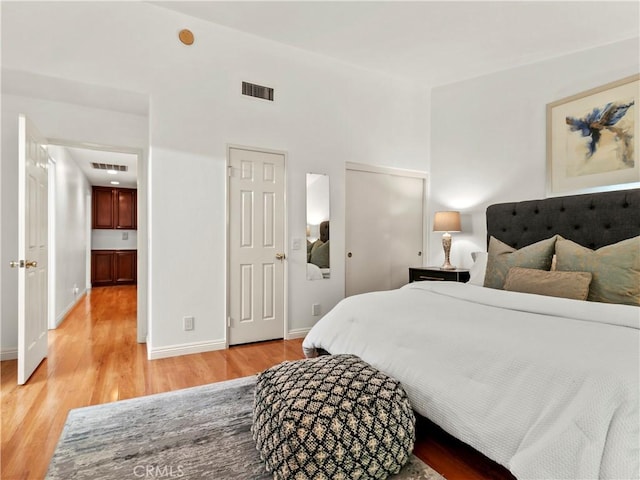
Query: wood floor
x=94 y=358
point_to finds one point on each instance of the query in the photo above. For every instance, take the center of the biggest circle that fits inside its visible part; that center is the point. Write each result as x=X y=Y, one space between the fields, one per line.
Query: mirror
x=318 y=243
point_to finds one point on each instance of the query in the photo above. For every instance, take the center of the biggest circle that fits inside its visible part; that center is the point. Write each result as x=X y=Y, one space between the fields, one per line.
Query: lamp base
x=446 y=245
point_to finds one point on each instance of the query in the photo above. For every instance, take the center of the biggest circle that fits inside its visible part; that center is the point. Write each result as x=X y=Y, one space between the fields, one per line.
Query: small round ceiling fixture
x=186 y=36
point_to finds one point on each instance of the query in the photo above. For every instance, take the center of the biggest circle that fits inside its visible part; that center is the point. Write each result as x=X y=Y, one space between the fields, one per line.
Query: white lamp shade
x=446 y=222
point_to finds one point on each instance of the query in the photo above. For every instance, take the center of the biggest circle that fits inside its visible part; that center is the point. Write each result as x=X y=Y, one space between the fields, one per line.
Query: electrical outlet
x=315 y=309
x=296 y=244
x=125 y=235
x=188 y=323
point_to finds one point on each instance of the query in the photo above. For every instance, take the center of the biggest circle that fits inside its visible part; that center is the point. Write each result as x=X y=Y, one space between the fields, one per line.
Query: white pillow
x=478 y=269
x=313 y=272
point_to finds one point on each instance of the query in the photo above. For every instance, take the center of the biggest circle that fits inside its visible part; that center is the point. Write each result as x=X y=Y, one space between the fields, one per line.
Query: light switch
x=296 y=243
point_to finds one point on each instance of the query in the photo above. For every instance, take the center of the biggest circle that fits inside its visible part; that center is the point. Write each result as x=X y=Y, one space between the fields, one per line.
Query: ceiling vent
x=258 y=91
x=109 y=166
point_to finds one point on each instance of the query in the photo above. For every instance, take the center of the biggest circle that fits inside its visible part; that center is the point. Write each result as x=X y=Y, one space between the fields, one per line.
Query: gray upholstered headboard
x=592 y=220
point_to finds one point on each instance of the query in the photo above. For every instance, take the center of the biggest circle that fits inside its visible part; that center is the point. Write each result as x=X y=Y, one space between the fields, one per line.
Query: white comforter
x=547 y=387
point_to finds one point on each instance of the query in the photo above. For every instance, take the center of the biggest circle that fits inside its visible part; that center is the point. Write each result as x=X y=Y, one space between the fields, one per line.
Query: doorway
x=93 y=161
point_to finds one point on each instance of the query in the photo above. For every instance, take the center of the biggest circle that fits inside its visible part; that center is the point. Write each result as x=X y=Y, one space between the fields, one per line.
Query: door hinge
x=230 y=170
x=228 y=321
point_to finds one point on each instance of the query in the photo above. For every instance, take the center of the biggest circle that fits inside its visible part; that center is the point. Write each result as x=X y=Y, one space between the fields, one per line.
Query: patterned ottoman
x=332 y=417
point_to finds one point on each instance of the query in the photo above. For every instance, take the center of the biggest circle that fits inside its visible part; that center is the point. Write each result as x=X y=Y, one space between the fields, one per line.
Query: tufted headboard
x=592 y=220
x=324 y=231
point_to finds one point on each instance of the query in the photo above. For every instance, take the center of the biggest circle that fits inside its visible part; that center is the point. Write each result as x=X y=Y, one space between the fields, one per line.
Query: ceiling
x=432 y=42
x=85 y=157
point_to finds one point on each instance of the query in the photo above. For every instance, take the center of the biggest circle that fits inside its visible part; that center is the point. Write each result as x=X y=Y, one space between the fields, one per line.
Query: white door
x=406 y=226
x=384 y=229
x=32 y=249
x=367 y=233
x=256 y=246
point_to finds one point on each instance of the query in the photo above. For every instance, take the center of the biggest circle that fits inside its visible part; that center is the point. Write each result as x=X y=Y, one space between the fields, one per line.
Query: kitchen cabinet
x=114 y=208
x=113 y=267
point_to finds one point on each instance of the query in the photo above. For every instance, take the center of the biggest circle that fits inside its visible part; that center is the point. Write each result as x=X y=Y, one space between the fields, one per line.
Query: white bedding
x=547 y=387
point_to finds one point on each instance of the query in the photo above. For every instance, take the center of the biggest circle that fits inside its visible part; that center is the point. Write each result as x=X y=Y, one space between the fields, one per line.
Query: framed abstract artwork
x=593 y=139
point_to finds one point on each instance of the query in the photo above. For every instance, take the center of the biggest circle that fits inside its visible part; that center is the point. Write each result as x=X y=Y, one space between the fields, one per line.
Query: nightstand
x=419 y=274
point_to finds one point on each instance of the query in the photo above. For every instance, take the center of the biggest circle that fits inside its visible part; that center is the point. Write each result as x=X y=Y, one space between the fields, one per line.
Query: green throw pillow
x=309 y=247
x=502 y=257
x=615 y=269
x=320 y=254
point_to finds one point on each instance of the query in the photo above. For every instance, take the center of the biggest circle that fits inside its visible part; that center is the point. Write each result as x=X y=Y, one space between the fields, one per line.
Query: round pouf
x=332 y=417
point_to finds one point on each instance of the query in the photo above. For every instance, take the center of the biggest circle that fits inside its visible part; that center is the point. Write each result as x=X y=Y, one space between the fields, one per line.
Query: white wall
x=71 y=189
x=103 y=239
x=54 y=120
x=489 y=136
x=325 y=114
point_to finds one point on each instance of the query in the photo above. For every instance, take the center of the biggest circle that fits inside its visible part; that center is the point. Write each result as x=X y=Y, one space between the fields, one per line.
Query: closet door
x=384 y=229
x=367 y=233
x=406 y=222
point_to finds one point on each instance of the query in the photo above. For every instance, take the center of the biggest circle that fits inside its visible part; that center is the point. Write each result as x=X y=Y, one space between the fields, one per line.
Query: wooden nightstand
x=419 y=274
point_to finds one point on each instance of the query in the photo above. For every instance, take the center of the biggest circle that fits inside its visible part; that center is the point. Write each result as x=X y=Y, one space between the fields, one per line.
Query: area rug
x=200 y=432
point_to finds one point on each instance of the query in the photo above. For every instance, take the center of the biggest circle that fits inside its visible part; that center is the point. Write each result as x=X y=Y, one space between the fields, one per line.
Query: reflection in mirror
x=318 y=266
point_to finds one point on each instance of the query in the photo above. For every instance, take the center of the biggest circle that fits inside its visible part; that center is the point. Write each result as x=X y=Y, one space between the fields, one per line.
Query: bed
x=545 y=386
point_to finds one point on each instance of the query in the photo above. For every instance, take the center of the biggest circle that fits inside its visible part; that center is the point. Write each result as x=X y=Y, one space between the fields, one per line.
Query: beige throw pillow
x=502 y=257
x=615 y=269
x=573 y=285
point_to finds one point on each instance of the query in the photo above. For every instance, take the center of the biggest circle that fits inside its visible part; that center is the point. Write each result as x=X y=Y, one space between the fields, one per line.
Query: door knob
x=280 y=256
x=17 y=264
x=349 y=254
x=30 y=264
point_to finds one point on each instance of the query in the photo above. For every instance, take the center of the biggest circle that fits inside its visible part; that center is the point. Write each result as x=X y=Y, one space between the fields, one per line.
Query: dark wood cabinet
x=113 y=267
x=420 y=274
x=125 y=208
x=102 y=214
x=114 y=208
x=102 y=268
x=125 y=266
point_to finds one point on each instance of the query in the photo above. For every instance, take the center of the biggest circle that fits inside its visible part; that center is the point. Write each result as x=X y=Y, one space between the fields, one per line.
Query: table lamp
x=446 y=222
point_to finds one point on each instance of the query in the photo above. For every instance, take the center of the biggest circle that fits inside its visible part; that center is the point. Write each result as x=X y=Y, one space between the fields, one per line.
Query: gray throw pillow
x=615 y=269
x=502 y=257
x=320 y=254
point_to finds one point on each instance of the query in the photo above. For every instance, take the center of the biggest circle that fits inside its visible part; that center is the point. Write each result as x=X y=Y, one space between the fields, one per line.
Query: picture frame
x=593 y=139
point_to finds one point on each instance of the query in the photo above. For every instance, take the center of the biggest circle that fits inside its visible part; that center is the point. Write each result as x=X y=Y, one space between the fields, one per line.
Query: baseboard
x=184 y=349
x=60 y=318
x=297 y=333
x=9 y=354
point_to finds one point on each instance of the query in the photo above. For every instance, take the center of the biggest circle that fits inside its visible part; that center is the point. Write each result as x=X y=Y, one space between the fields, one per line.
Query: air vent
x=109 y=166
x=258 y=91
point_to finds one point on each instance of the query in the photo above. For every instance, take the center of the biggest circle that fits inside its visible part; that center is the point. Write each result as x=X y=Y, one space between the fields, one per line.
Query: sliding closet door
x=406 y=222
x=366 y=234
x=384 y=233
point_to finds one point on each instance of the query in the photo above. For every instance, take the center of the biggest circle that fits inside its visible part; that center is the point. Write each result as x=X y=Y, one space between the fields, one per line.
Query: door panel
x=384 y=229
x=33 y=251
x=406 y=224
x=256 y=235
x=103 y=214
x=367 y=233
x=125 y=267
x=125 y=209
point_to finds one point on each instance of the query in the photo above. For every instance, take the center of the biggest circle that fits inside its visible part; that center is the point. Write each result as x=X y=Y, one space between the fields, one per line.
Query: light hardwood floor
x=94 y=358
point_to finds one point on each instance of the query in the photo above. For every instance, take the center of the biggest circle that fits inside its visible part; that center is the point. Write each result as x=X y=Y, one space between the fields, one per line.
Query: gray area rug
x=200 y=432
